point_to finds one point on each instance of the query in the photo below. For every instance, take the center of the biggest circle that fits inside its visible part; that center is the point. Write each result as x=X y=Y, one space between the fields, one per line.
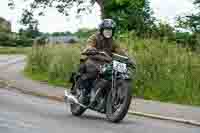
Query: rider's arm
x=91 y=42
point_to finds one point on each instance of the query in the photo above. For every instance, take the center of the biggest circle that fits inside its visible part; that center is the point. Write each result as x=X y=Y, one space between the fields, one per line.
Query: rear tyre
x=116 y=115
x=76 y=109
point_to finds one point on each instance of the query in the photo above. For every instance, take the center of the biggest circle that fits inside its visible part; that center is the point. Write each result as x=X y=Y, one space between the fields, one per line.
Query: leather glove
x=90 y=51
x=132 y=63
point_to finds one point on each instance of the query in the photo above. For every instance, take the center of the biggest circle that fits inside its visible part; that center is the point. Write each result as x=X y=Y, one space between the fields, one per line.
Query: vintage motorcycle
x=112 y=100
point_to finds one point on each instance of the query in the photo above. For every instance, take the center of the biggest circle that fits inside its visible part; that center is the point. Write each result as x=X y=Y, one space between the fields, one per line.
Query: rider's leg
x=88 y=74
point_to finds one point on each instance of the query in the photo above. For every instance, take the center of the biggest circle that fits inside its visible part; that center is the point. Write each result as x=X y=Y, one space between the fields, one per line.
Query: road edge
x=61 y=99
x=159 y=117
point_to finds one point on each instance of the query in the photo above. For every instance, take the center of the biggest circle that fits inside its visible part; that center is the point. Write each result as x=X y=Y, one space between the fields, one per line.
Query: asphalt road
x=7 y=60
x=21 y=113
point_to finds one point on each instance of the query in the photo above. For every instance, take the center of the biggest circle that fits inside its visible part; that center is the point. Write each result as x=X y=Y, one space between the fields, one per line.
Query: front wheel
x=118 y=101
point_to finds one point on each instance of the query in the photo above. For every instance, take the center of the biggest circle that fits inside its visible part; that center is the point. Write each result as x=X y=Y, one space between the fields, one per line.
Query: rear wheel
x=118 y=102
x=76 y=109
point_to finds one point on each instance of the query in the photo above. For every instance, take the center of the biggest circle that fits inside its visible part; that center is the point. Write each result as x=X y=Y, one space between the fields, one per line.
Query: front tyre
x=118 y=102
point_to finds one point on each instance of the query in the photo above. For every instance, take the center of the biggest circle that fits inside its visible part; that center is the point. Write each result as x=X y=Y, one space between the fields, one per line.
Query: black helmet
x=107 y=24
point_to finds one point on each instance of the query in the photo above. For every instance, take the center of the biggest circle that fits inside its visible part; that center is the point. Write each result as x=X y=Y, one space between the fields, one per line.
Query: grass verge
x=164 y=72
x=15 y=50
x=43 y=78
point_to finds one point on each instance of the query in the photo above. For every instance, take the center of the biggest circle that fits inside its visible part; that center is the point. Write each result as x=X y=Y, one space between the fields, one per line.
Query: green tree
x=130 y=15
x=191 y=21
x=63 y=6
x=197 y=2
x=164 y=31
x=30 y=32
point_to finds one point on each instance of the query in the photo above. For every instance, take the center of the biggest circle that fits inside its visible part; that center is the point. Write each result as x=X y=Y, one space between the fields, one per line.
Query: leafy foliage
x=5 y=25
x=191 y=21
x=30 y=32
x=197 y=2
x=10 y=40
x=6 y=39
x=38 y=8
x=163 y=31
x=130 y=15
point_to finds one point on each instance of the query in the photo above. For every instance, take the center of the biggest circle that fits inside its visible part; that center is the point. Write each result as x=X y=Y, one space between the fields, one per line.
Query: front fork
x=115 y=91
x=113 y=87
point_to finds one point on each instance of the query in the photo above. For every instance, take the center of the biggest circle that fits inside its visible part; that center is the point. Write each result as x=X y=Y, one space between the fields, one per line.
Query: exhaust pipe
x=72 y=99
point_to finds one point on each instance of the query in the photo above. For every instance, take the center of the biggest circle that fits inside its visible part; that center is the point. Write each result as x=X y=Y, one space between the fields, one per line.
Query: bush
x=188 y=40
x=8 y=40
x=23 y=42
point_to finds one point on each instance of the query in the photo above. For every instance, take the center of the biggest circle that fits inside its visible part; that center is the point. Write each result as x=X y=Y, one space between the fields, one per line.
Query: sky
x=166 y=10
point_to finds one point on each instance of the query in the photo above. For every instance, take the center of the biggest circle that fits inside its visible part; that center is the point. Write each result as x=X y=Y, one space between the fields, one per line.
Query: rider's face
x=107 y=33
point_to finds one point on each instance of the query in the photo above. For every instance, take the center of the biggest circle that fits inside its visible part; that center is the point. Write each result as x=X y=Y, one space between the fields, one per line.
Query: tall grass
x=164 y=72
x=53 y=64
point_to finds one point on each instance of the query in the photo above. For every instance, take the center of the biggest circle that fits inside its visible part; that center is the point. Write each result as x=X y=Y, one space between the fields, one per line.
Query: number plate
x=120 y=67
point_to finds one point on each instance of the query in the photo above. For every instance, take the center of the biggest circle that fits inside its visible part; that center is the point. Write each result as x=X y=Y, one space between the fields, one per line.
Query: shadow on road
x=99 y=118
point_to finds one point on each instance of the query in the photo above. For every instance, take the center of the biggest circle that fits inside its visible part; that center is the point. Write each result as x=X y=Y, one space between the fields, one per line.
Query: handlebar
x=95 y=54
x=120 y=56
x=98 y=55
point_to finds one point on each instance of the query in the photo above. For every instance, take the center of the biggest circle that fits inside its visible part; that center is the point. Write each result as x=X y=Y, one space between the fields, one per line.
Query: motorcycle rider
x=100 y=41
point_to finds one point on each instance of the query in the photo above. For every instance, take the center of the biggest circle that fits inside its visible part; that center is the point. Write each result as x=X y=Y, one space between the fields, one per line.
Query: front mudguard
x=125 y=77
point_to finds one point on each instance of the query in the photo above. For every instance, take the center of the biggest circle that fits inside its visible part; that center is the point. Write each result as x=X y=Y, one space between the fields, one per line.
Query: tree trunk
x=101 y=4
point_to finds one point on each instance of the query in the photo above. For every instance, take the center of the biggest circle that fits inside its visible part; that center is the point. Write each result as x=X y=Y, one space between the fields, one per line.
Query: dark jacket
x=100 y=43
